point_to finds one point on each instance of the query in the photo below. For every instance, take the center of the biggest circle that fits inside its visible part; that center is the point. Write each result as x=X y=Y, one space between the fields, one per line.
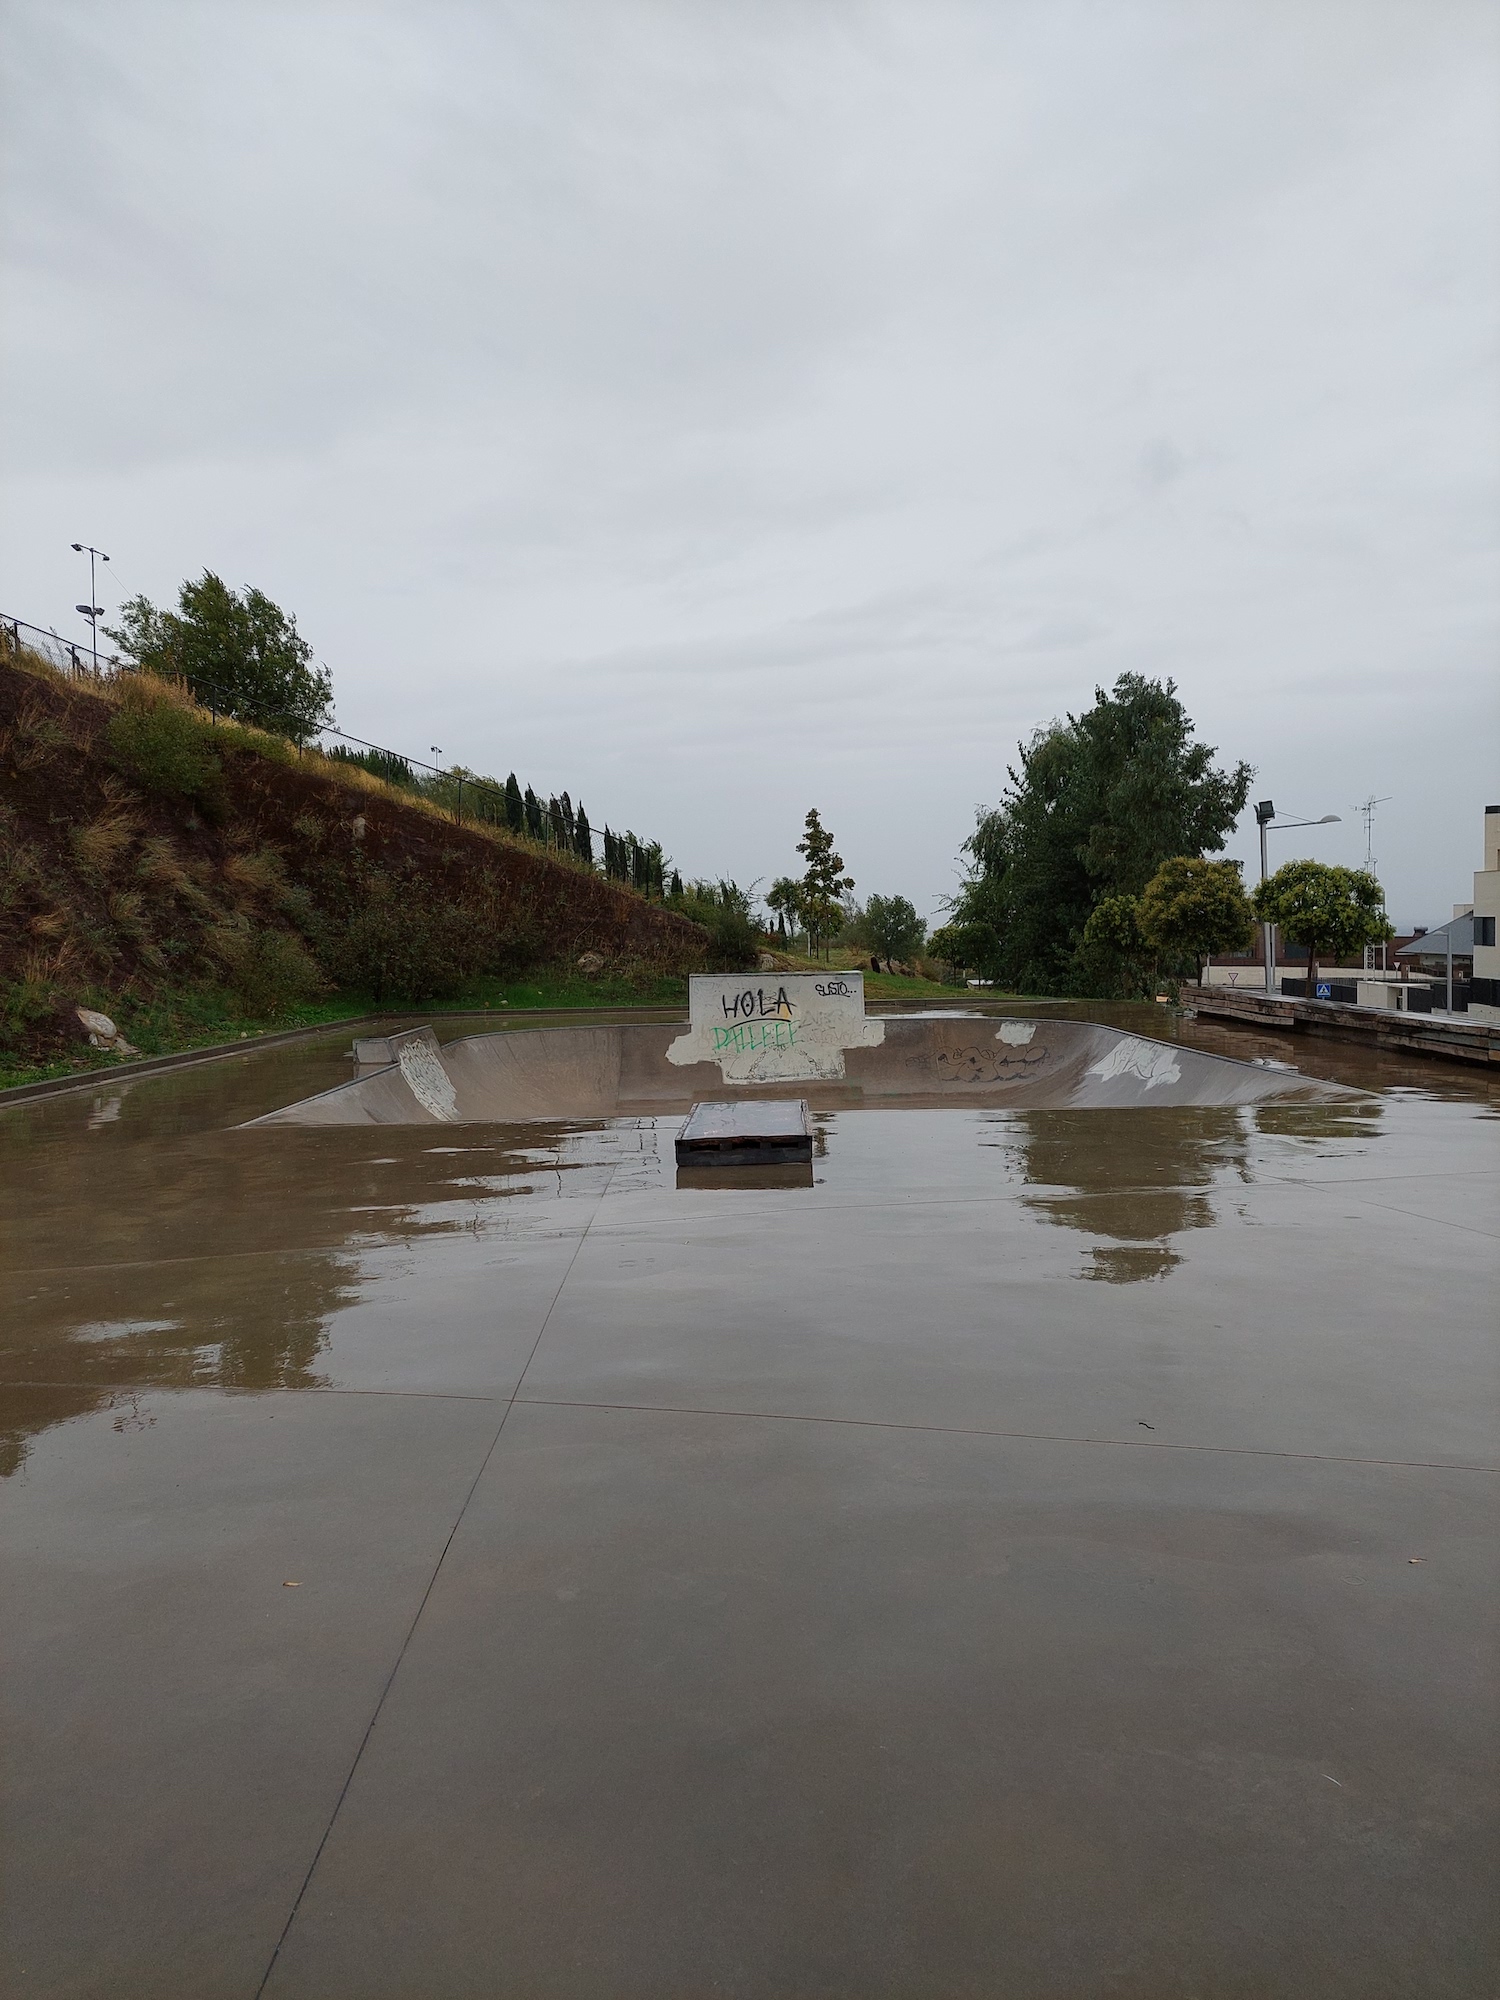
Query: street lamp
x=92 y=611
x=1265 y=814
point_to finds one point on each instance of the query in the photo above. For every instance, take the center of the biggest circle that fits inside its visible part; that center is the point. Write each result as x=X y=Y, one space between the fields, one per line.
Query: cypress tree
x=569 y=825
x=532 y=806
x=676 y=883
x=515 y=806
x=556 y=832
x=583 y=837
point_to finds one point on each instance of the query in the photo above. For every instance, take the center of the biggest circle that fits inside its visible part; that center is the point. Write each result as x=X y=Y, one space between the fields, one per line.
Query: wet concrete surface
x=1053 y=1553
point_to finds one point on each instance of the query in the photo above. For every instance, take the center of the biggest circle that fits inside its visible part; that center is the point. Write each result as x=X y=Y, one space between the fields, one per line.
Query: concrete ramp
x=607 y=1072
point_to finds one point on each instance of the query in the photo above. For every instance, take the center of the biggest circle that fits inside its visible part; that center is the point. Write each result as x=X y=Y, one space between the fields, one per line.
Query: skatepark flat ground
x=1054 y=1553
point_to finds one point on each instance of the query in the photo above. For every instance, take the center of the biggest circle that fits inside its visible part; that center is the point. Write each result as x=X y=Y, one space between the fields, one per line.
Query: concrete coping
x=379 y=1051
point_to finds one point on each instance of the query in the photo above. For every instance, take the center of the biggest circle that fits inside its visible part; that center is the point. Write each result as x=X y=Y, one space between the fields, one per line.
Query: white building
x=1484 y=998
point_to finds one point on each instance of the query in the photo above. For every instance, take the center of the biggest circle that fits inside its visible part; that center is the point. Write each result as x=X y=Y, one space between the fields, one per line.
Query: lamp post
x=92 y=611
x=1265 y=814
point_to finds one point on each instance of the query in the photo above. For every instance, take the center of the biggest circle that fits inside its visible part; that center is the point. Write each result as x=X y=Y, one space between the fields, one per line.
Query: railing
x=64 y=653
x=80 y=661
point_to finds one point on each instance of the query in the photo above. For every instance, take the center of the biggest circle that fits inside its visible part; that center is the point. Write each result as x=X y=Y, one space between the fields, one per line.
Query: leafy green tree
x=1333 y=911
x=965 y=948
x=1114 y=955
x=823 y=882
x=1192 y=908
x=784 y=900
x=237 y=652
x=1095 y=805
x=892 y=928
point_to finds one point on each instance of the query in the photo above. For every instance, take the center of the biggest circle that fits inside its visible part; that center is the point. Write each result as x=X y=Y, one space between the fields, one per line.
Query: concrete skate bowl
x=625 y=1071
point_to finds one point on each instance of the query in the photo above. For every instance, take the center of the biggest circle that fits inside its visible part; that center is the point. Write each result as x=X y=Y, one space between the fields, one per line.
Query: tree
x=531 y=805
x=1192 y=908
x=1116 y=957
x=1332 y=911
x=583 y=836
x=893 y=928
x=1096 y=804
x=823 y=881
x=784 y=900
x=965 y=948
x=237 y=652
x=515 y=806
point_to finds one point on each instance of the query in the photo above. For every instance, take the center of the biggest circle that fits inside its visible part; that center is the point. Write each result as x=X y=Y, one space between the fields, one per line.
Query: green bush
x=723 y=909
x=165 y=751
x=24 y=1005
x=267 y=971
x=397 y=945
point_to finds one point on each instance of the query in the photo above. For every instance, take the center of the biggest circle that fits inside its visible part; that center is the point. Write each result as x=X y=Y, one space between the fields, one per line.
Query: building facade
x=1484 y=997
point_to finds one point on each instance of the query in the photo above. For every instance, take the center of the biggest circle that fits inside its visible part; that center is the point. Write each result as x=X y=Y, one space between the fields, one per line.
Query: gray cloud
x=721 y=409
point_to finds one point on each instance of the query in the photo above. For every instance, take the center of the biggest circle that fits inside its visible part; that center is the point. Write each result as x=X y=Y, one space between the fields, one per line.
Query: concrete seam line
x=1026 y=1437
x=1411 y=1214
x=422 y=1606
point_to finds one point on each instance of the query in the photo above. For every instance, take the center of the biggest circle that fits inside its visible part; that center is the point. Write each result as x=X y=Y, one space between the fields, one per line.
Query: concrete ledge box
x=746 y=1134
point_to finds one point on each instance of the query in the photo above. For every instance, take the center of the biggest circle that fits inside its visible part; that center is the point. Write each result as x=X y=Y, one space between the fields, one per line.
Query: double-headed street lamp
x=1265 y=814
x=92 y=611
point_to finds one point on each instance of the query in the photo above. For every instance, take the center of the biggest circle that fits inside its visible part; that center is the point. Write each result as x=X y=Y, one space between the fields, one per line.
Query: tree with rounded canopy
x=1113 y=950
x=1333 y=911
x=1192 y=908
x=237 y=652
x=965 y=948
x=892 y=928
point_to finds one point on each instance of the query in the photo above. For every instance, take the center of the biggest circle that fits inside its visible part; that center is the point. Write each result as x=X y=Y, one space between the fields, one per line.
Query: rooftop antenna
x=1366 y=811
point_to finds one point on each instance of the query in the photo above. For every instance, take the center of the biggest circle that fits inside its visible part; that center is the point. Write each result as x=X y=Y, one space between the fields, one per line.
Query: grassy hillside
x=191 y=879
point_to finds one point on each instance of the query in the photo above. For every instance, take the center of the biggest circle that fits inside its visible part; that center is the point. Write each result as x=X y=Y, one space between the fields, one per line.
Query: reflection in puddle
x=1130 y=1264
x=785 y=1174
x=147 y=1246
x=1131 y=1176
x=222 y=1259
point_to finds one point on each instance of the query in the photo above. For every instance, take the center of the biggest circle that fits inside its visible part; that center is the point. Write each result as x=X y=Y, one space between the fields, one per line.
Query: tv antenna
x=1366 y=811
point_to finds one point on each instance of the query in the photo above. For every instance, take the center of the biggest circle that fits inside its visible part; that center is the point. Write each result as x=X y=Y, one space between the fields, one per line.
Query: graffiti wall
x=777 y=1027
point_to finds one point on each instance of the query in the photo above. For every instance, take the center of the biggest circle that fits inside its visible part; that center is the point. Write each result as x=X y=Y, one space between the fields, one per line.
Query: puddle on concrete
x=150 y=1246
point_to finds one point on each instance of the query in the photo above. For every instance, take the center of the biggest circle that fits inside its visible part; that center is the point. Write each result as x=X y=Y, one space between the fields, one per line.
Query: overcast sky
x=720 y=409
